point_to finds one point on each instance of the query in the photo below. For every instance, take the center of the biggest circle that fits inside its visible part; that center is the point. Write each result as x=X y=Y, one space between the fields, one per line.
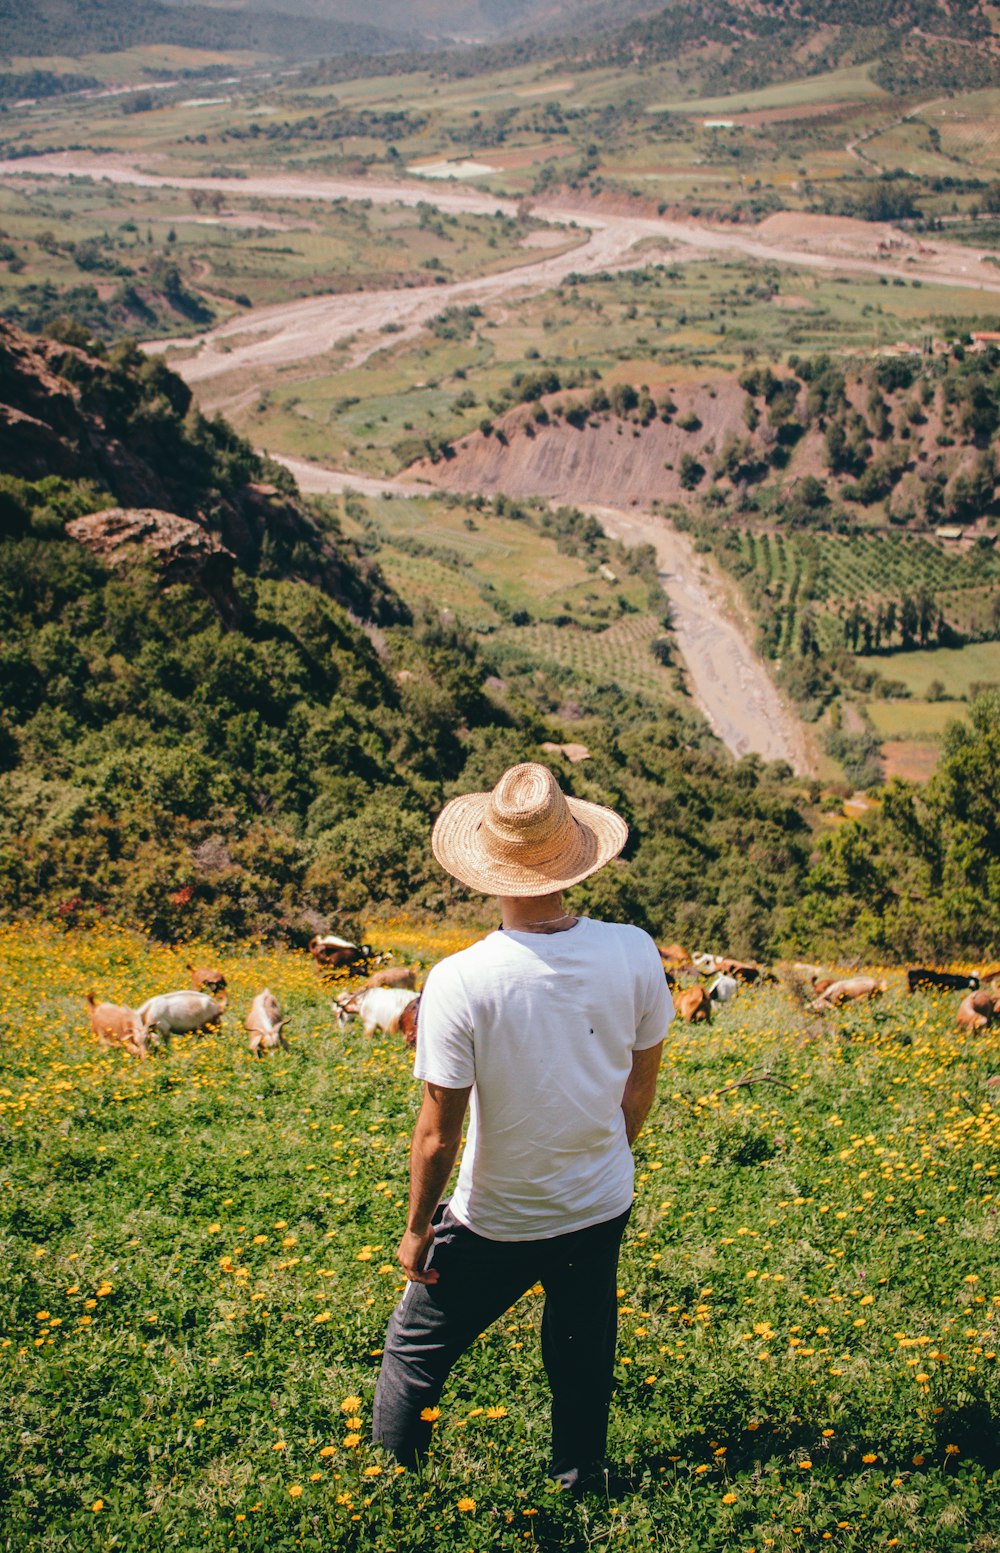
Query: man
x=553 y=1026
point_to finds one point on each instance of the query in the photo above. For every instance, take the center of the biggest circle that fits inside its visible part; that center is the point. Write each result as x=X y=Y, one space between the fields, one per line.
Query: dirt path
x=730 y=682
x=292 y=332
x=853 y=147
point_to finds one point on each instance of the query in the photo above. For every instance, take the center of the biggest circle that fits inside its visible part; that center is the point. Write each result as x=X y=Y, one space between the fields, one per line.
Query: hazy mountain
x=103 y=26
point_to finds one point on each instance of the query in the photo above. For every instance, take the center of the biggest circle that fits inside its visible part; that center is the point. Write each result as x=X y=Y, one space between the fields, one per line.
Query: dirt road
x=729 y=681
x=295 y=331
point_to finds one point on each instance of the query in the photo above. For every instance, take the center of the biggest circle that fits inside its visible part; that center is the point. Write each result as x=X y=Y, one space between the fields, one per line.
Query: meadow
x=199 y=1255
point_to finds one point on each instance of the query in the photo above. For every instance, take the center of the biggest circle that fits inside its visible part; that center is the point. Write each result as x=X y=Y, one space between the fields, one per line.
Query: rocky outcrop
x=191 y=492
x=181 y=550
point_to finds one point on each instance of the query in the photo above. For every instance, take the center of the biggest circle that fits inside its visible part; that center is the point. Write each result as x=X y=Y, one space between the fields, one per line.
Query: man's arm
x=436 y=1138
x=640 y=1088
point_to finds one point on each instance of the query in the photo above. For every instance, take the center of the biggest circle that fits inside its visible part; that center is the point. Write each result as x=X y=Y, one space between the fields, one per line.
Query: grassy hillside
x=199 y=1258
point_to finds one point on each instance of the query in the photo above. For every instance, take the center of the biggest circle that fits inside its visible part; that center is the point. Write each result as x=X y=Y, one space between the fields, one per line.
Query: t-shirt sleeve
x=655 y=1006
x=445 y=1046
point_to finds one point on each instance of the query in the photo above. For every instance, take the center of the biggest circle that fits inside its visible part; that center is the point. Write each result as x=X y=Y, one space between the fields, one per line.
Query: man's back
x=544 y=1025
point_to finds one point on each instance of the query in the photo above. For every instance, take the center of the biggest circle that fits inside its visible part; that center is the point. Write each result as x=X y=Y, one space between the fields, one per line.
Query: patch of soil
x=546 y=237
x=527 y=156
x=833 y=234
x=910 y=760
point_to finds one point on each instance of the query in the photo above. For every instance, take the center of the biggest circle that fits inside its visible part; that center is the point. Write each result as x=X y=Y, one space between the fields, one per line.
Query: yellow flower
x=351 y=1440
x=922 y=1378
x=97 y=1505
x=372 y=1472
x=828 y=1434
x=496 y=1412
x=295 y=1490
x=214 y=1229
x=259 y=1240
x=315 y=1477
x=199 y=1423
x=41 y=1315
x=869 y=1457
x=103 y=1289
x=952 y=1450
x=350 y=1404
x=279 y=1445
x=466 y=1505
x=354 y=1423
x=328 y=1450
x=429 y=1414
x=729 y=1498
x=324 y=1315
x=702 y=1468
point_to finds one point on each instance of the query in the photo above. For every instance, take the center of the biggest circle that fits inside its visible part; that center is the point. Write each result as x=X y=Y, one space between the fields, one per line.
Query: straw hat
x=525 y=837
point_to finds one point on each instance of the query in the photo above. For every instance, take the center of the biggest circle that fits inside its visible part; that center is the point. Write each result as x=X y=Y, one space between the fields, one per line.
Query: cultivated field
x=555 y=608
x=200 y=1264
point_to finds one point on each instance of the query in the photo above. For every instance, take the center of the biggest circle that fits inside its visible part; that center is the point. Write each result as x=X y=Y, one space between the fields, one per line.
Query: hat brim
x=598 y=835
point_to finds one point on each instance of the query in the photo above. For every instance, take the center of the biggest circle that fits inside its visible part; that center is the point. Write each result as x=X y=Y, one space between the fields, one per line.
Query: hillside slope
x=197 y=735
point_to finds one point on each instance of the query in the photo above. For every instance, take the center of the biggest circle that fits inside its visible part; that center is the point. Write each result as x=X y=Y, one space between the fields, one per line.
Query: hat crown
x=526 y=811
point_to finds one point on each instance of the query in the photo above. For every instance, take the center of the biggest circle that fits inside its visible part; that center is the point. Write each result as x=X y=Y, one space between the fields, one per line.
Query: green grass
x=920 y=720
x=957 y=669
x=199 y=1264
x=853 y=82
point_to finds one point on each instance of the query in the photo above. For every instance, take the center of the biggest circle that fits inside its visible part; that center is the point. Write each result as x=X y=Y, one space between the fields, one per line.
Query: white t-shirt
x=543 y=1025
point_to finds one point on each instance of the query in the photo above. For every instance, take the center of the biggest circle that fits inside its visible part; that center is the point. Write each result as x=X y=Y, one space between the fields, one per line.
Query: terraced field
x=838 y=578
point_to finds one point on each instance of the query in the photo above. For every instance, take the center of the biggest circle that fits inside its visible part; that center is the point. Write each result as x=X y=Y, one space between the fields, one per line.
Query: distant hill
x=102 y=26
x=738 y=45
x=460 y=20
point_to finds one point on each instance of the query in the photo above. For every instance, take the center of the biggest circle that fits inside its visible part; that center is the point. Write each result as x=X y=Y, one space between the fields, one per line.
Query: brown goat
x=393 y=976
x=205 y=979
x=115 y=1025
x=979 y=1009
x=694 y=1005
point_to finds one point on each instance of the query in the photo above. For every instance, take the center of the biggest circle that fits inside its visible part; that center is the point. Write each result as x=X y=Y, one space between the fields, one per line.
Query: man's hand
x=436 y=1140
x=413 y=1252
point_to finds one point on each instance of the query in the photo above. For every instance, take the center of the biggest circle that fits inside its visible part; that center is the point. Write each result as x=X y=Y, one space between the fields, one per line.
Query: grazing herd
x=696 y=1003
x=389 y=1000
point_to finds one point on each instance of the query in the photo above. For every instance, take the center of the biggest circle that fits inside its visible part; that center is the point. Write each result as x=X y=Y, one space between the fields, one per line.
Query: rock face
x=606 y=460
x=189 y=491
x=182 y=550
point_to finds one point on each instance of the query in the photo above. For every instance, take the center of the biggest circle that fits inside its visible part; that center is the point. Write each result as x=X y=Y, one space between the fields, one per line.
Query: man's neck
x=535 y=914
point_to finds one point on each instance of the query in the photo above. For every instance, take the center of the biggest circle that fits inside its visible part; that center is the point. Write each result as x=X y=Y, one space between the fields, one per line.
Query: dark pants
x=434 y=1324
